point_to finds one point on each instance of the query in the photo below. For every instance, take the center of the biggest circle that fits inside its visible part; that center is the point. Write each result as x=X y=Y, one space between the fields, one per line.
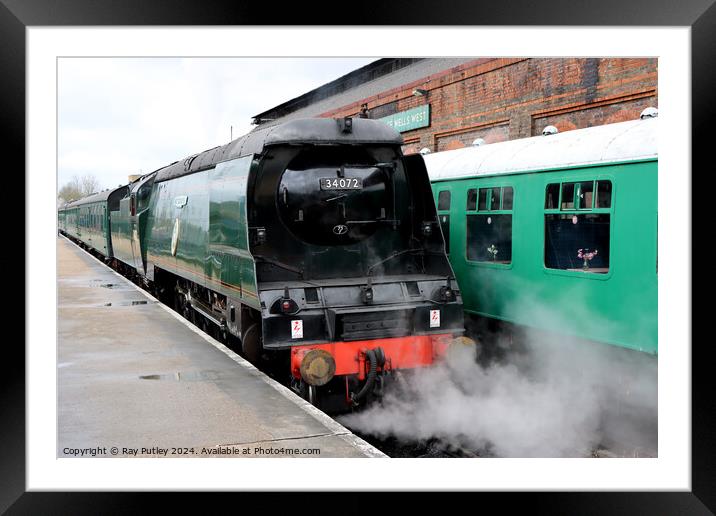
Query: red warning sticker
x=297 y=329
x=434 y=318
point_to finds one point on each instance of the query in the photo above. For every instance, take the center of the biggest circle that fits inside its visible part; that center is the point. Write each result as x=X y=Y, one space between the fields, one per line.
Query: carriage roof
x=96 y=197
x=604 y=144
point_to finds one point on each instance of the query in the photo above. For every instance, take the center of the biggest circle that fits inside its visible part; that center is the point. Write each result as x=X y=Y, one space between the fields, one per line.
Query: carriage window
x=495 y=199
x=585 y=191
x=604 y=194
x=507 y=194
x=489 y=199
x=568 y=196
x=471 y=199
x=444 y=200
x=482 y=199
x=489 y=238
x=551 y=198
x=489 y=235
x=578 y=238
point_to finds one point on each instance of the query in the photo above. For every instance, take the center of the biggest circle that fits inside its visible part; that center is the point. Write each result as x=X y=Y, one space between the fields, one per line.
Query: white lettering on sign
x=297 y=329
x=435 y=318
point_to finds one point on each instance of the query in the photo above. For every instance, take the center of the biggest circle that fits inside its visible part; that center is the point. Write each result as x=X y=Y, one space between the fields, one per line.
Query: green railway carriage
x=557 y=232
x=88 y=219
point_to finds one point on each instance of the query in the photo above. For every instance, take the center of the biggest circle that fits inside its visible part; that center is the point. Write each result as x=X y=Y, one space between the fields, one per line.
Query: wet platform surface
x=134 y=379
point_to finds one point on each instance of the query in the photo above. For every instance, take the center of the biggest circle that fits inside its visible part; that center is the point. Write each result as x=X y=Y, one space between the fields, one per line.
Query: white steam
x=548 y=396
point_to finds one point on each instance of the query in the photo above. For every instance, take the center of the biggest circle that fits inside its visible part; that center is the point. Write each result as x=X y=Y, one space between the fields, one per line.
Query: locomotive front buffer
x=350 y=344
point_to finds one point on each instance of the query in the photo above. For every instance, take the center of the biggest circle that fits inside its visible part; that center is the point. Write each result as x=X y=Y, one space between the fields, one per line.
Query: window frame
x=595 y=178
x=501 y=184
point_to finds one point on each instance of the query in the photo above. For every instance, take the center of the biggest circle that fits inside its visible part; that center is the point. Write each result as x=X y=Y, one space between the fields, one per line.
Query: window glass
x=471 y=199
x=568 y=196
x=507 y=194
x=585 y=191
x=551 y=198
x=495 y=199
x=489 y=238
x=604 y=194
x=482 y=200
x=577 y=242
x=444 y=200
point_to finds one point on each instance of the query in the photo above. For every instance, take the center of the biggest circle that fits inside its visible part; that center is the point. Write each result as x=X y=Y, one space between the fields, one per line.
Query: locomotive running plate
x=341 y=183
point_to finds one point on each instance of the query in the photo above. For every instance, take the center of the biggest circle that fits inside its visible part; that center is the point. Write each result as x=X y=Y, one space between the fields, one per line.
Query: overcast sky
x=120 y=116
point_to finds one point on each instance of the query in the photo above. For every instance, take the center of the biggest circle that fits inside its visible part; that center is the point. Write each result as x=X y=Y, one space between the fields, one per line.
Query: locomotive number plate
x=341 y=183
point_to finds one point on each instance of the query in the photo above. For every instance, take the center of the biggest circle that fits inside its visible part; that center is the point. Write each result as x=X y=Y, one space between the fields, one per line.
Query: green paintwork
x=208 y=208
x=619 y=307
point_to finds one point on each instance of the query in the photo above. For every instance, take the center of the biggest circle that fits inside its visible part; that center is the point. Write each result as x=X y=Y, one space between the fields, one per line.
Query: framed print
x=47 y=52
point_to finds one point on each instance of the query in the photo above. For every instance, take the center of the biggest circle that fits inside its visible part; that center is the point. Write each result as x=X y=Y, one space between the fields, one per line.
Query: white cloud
x=120 y=116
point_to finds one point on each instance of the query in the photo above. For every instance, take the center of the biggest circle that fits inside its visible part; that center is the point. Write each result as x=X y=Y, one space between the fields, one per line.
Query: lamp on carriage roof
x=346 y=124
x=424 y=151
x=477 y=142
x=650 y=112
x=550 y=129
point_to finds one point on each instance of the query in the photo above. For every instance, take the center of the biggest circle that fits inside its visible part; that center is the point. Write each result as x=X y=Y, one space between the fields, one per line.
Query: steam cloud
x=547 y=397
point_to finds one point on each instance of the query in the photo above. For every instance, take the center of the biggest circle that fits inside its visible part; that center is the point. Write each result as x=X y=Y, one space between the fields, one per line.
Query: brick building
x=447 y=103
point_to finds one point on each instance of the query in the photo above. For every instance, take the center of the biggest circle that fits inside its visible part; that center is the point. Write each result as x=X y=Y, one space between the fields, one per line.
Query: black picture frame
x=17 y=15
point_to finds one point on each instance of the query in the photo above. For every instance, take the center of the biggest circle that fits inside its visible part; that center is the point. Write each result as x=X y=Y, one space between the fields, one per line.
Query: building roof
x=374 y=78
x=611 y=143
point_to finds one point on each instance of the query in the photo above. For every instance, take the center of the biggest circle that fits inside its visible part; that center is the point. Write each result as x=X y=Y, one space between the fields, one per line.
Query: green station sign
x=410 y=119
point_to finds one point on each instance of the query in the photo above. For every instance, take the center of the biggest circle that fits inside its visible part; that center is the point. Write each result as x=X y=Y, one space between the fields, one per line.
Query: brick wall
x=505 y=98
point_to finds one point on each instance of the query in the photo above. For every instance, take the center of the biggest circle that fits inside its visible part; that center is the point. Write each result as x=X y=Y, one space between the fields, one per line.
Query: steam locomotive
x=313 y=246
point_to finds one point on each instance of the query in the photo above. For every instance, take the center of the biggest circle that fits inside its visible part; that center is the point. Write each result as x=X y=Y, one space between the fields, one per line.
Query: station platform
x=136 y=380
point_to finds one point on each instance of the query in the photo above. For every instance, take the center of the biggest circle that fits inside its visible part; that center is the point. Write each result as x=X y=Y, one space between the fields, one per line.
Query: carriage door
x=443 y=204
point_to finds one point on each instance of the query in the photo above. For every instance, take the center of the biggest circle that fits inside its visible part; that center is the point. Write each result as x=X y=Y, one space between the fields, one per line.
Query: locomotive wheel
x=251 y=344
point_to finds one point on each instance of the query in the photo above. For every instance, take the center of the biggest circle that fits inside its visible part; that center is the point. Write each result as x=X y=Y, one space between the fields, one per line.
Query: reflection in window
x=604 y=194
x=578 y=242
x=495 y=199
x=471 y=199
x=568 y=196
x=489 y=238
x=585 y=194
x=552 y=197
x=482 y=199
x=444 y=200
x=507 y=194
